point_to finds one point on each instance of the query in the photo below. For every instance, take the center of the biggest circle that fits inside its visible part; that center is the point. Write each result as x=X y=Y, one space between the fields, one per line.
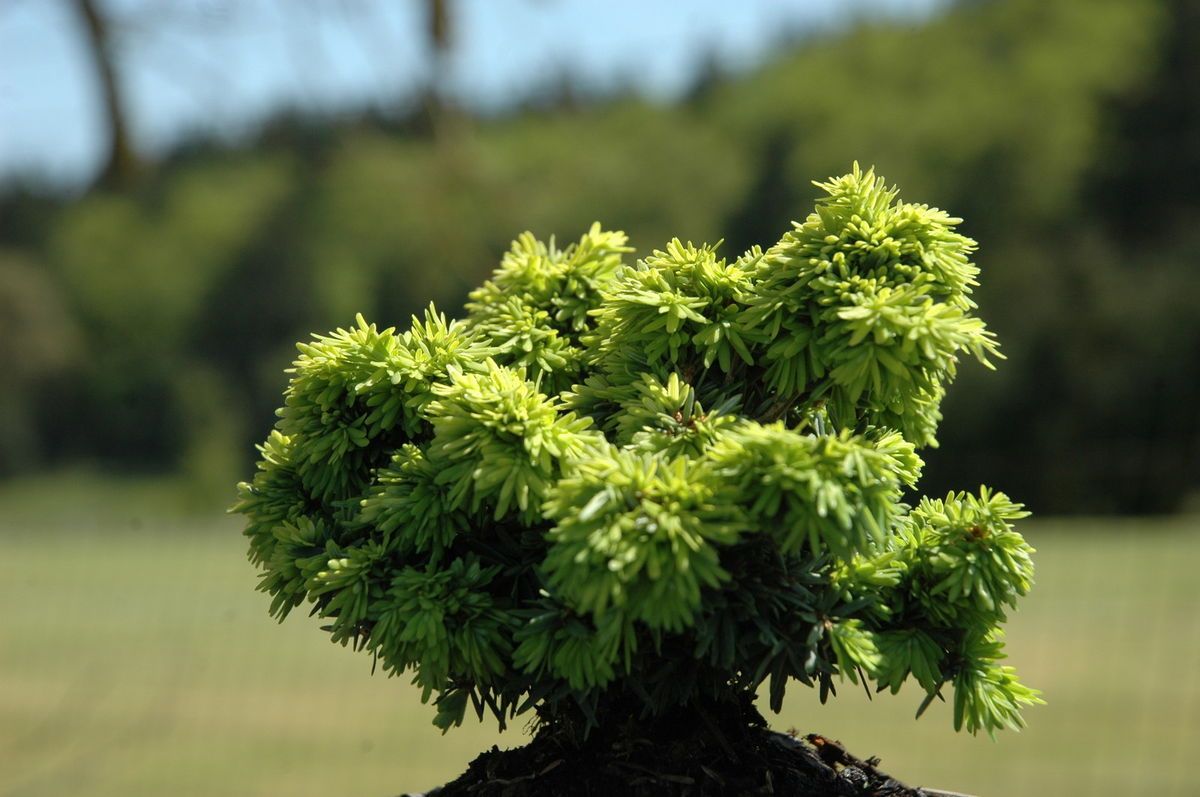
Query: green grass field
x=136 y=659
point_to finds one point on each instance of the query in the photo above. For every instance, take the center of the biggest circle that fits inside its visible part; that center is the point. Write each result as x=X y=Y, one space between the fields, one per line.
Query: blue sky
x=220 y=66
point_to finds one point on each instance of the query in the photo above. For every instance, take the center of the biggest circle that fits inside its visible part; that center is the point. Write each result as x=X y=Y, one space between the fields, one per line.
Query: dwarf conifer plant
x=655 y=483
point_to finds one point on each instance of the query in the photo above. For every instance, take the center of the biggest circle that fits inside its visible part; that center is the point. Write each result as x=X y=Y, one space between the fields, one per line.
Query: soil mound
x=729 y=752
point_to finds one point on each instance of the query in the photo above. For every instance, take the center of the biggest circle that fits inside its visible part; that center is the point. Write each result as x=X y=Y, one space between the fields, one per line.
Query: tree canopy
x=662 y=482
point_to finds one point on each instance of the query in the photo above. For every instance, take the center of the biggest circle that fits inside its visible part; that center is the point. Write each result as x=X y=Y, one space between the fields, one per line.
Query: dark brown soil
x=691 y=753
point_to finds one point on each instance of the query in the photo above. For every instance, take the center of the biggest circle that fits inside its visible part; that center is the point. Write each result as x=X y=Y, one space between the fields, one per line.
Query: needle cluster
x=671 y=480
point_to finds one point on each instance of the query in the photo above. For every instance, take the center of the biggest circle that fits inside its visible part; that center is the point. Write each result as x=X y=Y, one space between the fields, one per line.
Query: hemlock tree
x=618 y=487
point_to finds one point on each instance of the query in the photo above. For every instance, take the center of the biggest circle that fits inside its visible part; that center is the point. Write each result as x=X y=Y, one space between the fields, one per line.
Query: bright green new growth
x=668 y=481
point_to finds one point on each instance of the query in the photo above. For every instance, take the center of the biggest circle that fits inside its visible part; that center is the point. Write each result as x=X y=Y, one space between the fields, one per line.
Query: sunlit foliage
x=675 y=478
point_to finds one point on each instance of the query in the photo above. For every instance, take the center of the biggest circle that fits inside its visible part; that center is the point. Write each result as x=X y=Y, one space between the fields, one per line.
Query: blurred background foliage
x=145 y=324
x=147 y=318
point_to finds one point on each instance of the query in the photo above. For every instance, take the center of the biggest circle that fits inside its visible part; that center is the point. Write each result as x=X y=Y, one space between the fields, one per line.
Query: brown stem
x=121 y=165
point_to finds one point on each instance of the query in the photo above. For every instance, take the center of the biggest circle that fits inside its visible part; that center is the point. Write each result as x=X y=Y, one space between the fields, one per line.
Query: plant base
x=685 y=753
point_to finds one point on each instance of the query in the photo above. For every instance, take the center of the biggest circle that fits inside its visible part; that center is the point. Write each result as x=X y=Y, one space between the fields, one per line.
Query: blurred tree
x=39 y=342
x=770 y=202
x=437 y=101
x=1066 y=132
x=1154 y=137
x=121 y=163
x=439 y=37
